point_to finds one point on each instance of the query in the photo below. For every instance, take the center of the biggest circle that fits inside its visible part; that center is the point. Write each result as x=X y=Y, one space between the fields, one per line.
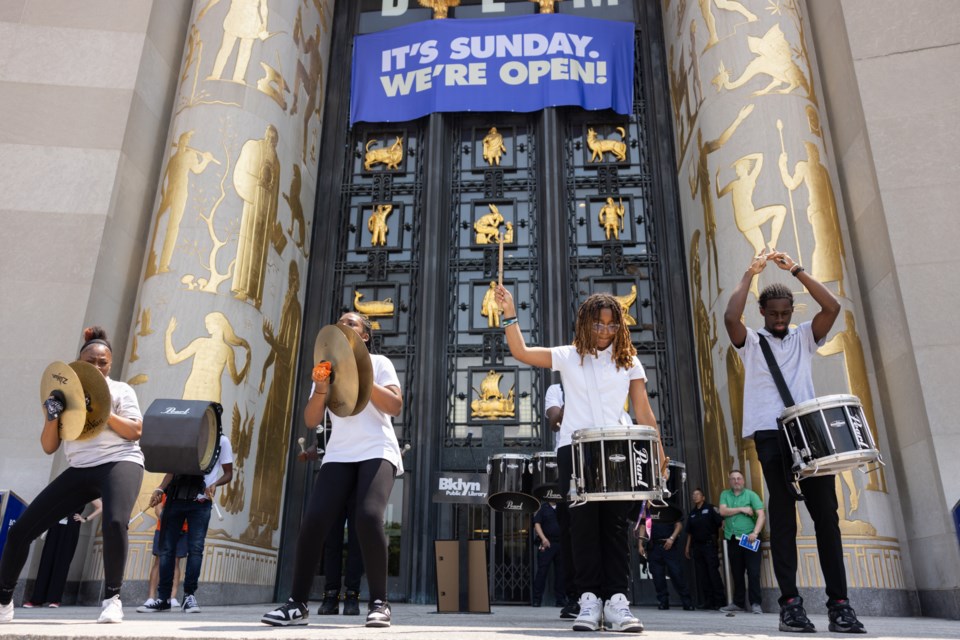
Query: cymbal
x=95 y=389
x=59 y=375
x=351 y=382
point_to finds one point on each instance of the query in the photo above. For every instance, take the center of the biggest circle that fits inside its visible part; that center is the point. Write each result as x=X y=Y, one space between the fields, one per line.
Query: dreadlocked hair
x=585 y=338
x=775 y=291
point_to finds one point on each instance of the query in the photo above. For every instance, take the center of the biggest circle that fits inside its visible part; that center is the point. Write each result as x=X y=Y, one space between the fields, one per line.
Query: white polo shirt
x=612 y=385
x=553 y=398
x=762 y=404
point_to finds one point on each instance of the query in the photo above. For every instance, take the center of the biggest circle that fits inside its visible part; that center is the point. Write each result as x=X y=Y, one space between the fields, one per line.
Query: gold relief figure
x=296 y=210
x=490 y=402
x=774 y=59
x=625 y=303
x=848 y=343
x=440 y=7
x=600 y=146
x=373 y=308
x=746 y=449
x=546 y=6
x=232 y=496
x=490 y=308
x=679 y=96
x=273 y=85
x=714 y=426
x=711 y=22
x=747 y=216
x=310 y=79
x=140 y=378
x=273 y=437
x=390 y=156
x=611 y=218
x=256 y=179
x=377 y=224
x=173 y=199
x=246 y=21
x=813 y=120
x=210 y=357
x=828 y=251
x=487 y=227
x=493 y=147
x=696 y=83
x=699 y=180
x=144 y=330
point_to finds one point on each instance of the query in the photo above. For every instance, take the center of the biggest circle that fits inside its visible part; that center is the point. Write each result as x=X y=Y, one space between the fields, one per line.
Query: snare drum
x=675 y=481
x=510 y=483
x=617 y=463
x=546 y=476
x=828 y=435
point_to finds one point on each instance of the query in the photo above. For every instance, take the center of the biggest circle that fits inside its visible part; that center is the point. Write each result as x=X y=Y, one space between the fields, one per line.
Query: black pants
x=117 y=483
x=661 y=562
x=546 y=557
x=742 y=559
x=571 y=592
x=58 y=549
x=333 y=553
x=371 y=482
x=598 y=537
x=706 y=562
x=821 y=501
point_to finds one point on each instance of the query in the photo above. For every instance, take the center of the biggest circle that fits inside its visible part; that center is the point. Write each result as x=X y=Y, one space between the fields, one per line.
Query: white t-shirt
x=368 y=435
x=226 y=457
x=762 y=404
x=553 y=398
x=612 y=386
x=108 y=446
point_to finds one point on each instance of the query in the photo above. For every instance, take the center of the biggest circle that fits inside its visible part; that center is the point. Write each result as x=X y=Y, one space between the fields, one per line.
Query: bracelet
x=160 y=489
x=508 y=321
x=796 y=271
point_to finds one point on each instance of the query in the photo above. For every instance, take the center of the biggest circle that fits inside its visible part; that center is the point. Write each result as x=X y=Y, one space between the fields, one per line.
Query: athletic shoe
x=30 y=605
x=112 y=610
x=378 y=614
x=843 y=619
x=351 y=603
x=190 y=604
x=154 y=606
x=591 y=612
x=174 y=603
x=731 y=608
x=54 y=605
x=330 y=606
x=287 y=614
x=794 y=618
x=756 y=608
x=617 y=616
x=570 y=611
x=6 y=612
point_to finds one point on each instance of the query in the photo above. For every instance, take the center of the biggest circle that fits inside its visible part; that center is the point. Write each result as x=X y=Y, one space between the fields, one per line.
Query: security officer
x=703 y=523
x=663 y=555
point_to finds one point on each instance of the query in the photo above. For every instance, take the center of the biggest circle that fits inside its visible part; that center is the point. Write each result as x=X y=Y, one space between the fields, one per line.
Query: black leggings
x=371 y=482
x=117 y=483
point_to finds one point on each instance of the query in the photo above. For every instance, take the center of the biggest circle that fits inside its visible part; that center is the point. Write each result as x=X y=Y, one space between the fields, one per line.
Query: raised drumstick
x=500 y=260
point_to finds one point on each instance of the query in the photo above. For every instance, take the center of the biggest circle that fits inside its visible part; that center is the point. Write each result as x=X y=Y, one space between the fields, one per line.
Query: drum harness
x=792 y=483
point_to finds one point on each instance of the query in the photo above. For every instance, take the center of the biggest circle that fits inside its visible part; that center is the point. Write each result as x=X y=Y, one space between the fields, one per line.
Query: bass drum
x=510 y=483
x=617 y=463
x=181 y=436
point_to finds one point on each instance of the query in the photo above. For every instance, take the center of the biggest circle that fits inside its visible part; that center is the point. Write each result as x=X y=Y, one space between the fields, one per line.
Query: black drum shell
x=546 y=476
x=181 y=436
x=510 y=486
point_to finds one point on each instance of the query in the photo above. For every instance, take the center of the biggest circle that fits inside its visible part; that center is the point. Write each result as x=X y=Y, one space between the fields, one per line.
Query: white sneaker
x=6 y=612
x=756 y=608
x=617 y=616
x=731 y=608
x=112 y=610
x=148 y=602
x=590 y=613
x=174 y=603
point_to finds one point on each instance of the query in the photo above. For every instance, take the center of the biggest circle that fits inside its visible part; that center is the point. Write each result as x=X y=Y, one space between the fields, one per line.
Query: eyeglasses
x=609 y=328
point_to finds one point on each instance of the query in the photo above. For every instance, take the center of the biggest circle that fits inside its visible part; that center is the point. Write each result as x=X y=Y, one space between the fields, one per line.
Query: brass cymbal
x=95 y=389
x=59 y=375
x=351 y=382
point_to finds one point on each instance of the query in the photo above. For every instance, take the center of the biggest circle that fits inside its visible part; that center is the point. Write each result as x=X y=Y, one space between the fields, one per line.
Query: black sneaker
x=351 y=603
x=571 y=611
x=793 y=617
x=287 y=614
x=154 y=606
x=843 y=619
x=378 y=614
x=330 y=605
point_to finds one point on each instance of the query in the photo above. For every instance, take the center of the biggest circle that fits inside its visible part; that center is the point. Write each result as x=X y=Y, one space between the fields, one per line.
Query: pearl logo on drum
x=643 y=457
x=857 y=428
x=510 y=506
x=173 y=411
x=617 y=457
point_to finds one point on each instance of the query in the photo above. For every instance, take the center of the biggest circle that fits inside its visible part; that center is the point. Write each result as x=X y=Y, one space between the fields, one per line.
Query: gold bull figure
x=391 y=156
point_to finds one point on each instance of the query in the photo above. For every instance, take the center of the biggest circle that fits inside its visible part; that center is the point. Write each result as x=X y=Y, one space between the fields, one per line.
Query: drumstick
x=300 y=442
x=217 y=509
x=133 y=519
x=500 y=262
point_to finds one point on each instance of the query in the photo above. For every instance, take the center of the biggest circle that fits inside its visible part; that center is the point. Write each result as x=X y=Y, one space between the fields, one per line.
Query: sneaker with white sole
x=756 y=608
x=591 y=613
x=154 y=606
x=112 y=611
x=617 y=616
x=287 y=614
x=6 y=612
x=378 y=614
x=147 y=603
x=190 y=604
x=174 y=603
x=731 y=608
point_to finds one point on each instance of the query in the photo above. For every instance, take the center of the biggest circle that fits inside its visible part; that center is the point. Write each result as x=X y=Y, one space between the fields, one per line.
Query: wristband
x=160 y=489
x=508 y=321
x=796 y=271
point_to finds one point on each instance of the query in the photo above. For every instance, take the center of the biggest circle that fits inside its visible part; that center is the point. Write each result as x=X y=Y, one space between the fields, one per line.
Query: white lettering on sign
x=394 y=7
x=579 y=4
x=459 y=487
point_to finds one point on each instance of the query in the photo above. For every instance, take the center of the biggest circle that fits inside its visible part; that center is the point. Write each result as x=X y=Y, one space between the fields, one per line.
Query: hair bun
x=96 y=332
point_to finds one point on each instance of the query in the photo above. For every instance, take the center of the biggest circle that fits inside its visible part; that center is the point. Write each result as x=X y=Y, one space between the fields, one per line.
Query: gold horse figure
x=625 y=303
x=600 y=146
x=373 y=308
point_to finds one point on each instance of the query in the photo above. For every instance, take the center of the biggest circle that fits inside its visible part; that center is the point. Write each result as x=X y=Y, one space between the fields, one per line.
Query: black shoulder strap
x=775 y=372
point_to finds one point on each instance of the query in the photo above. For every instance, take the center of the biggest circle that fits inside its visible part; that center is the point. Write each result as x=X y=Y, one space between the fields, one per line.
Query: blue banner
x=501 y=64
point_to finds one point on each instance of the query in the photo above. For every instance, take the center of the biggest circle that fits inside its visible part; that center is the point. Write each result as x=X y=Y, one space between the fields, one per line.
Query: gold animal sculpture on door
x=600 y=146
x=390 y=156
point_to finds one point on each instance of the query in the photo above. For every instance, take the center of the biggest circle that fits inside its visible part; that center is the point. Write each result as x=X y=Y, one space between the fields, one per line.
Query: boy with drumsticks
x=792 y=349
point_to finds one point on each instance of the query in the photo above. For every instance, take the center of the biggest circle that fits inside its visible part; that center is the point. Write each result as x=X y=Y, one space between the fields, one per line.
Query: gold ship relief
x=490 y=401
x=373 y=308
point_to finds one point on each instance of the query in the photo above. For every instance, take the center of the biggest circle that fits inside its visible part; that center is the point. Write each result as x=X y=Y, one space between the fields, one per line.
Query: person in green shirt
x=743 y=514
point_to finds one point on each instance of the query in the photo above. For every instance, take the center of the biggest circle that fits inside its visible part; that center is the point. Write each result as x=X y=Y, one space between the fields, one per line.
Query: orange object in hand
x=322 y=371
